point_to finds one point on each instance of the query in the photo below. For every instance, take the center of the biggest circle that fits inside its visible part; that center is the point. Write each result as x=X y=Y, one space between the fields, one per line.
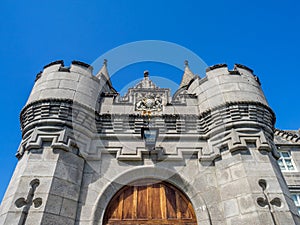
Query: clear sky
x=264 y=35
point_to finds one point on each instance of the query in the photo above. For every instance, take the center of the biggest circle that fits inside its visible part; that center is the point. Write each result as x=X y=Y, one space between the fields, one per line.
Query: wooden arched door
x=152 y=203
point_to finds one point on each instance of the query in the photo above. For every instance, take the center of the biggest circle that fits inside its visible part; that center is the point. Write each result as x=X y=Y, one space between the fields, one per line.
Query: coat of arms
x=149 y=104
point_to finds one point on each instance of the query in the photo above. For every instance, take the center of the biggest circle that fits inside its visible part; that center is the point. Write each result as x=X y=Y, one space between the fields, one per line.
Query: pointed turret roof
x=187 y=75
x=103 y=72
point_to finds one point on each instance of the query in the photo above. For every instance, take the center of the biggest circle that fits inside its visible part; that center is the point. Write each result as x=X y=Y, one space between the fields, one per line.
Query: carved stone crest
x=149 y=103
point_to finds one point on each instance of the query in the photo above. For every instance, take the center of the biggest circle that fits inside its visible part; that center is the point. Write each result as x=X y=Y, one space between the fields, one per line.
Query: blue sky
x=263 y=35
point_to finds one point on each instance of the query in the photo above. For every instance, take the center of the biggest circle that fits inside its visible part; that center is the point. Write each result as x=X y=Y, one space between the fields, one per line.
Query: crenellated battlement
x=75 y=82
x=57 y=62
x=237 y=67
x=81 y=67
x=215 y=67
x=222 y=85
x=222 y=69
x=242 y=68
x=58 y=66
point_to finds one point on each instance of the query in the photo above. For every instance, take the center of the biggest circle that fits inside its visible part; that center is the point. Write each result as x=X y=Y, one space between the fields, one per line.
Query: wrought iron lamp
x=150 y=135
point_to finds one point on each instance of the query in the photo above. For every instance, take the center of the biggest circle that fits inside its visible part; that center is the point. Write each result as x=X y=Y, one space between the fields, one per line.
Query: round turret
x=222 y=86
x=64 y=96
x=232 y=100
x=75 y=83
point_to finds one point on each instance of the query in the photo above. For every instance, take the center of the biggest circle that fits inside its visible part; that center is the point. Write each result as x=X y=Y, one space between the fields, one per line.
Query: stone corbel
x=180 y=154
x=208 y=153
x=238 y=141
x=61 y=139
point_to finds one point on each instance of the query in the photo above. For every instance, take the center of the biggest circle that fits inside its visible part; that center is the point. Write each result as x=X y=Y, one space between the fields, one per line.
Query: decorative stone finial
x=186 y=63
x=146 y=73
x=105 y=62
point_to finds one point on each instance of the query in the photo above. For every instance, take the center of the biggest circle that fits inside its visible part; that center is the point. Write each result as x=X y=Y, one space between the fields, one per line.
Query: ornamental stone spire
x=188 y=75
x=103 y=72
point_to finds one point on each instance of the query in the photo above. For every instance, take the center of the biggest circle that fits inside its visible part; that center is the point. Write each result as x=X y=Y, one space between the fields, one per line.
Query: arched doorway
x=149 y=203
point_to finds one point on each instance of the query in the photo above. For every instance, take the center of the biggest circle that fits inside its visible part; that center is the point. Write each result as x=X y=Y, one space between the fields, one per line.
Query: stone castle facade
x=209 y=154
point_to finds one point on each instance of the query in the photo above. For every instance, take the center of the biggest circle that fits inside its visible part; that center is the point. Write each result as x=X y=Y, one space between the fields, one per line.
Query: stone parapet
x=75 y=83
x=221 y=86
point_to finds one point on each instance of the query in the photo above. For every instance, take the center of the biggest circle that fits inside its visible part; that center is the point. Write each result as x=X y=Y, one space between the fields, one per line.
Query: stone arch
x=155 y=173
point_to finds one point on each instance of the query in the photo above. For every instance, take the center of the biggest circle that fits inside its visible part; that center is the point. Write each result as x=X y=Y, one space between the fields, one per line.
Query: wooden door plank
x=163 y=202
x=142 y=202
x=171 y=203
x=120 y=206
x=184 y=208
x=178 y=203
x=156 y=210
x=149 y=199
x=134 y=203
x=128 y=203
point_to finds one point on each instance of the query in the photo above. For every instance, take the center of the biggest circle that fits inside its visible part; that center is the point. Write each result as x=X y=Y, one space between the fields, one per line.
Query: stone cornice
x=60 y=100
x=66 y=113
x=240 y=103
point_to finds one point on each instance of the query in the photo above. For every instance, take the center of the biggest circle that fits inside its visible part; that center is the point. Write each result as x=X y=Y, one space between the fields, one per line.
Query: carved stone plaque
x=149 y=103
